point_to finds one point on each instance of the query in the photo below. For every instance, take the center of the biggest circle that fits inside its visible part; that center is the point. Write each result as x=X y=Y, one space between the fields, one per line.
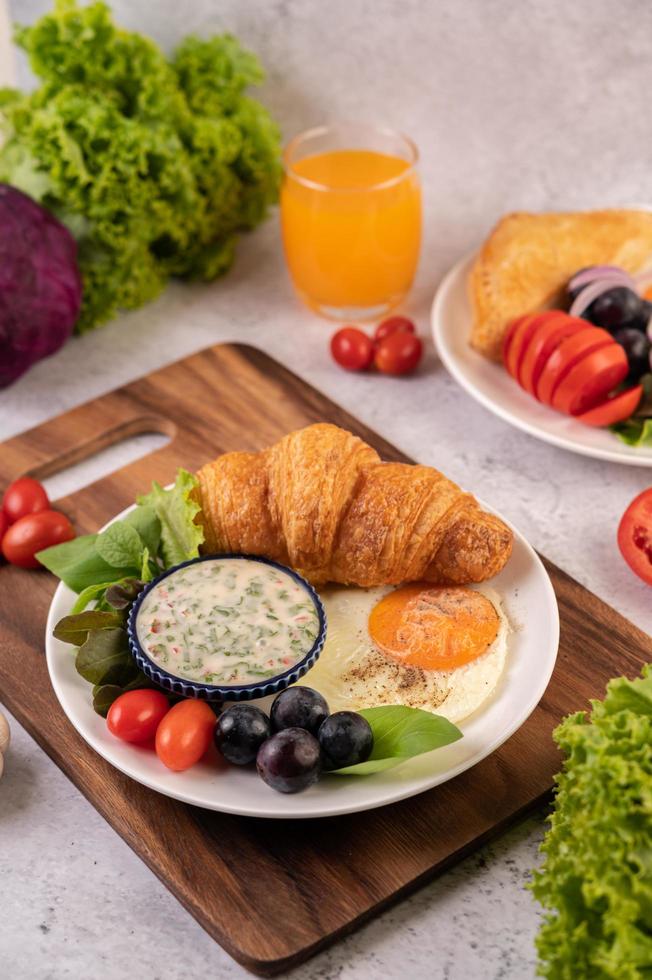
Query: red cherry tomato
x=184 y=734
x=393 y=324
x=4 y=524
x=352 y=349
x=135 y=715
x=635 y=535
x=399 y=353
x=563 y=359
x=22 y=497
x=32 y=534
x=614 y=409
x=589 y=382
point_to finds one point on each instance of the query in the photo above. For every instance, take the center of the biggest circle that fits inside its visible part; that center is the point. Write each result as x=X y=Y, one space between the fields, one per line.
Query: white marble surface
x=532 y=105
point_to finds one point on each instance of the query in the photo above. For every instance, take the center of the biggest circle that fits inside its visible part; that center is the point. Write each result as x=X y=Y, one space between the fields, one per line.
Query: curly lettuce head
x=155 y=165
x=596 y=880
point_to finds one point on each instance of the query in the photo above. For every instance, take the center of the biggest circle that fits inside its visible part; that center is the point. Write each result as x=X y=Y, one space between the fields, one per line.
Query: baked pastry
x=528 y=258
x=321 y=501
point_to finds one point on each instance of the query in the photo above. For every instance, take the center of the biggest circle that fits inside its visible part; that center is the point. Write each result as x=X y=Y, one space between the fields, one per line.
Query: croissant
x=321 y=501
x=527 y=260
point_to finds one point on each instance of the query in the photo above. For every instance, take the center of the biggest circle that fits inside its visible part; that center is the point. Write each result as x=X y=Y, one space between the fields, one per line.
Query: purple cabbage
x=40 y=285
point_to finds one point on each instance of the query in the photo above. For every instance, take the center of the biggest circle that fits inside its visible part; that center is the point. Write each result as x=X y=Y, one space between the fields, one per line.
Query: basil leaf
x=634 y=431
x=75 y=629
x=401 y=733
x=104 y=658
x=87 y=595
x=120 y=545
x=78 y=564
x=122 y=594
x=144 y=520
x=103 y=697
x=105 y=694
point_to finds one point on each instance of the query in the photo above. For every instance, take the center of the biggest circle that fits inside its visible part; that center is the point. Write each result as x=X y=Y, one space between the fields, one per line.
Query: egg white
x=352 y=673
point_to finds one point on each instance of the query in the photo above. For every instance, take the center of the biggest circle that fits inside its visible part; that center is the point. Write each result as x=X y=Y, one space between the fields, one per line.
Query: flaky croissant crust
x=321 y=501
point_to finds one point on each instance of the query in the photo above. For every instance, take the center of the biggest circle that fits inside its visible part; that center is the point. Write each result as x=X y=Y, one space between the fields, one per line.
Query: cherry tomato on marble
x=393 y=324
x=22 y=497
x=135 y=715
x=635 y=535
x=352 y=349
x=399 y=353
x=185 y=734
x=31 y=534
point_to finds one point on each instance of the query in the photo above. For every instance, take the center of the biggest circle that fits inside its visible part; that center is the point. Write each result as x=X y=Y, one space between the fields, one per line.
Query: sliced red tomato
x=566 y=355
x=519 y=341
x=591 y=380
x=617 y=408
x=509 y=336
x=548 y=334
x=635 y=535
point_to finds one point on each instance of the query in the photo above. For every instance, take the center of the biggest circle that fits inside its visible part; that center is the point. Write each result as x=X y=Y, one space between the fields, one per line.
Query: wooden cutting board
x=272 y=892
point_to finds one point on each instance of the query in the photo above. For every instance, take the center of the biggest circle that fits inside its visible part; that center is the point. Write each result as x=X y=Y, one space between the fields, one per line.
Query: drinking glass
x=351 y=218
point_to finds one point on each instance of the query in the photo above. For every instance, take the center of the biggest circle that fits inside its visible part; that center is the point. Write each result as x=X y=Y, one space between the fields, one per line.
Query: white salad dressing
x=227 y=621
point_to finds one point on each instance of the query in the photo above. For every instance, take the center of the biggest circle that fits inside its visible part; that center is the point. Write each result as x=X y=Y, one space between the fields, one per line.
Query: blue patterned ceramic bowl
x=214 y=692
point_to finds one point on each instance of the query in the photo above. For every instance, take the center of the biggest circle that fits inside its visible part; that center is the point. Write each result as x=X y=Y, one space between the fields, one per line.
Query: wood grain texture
x=272 y=892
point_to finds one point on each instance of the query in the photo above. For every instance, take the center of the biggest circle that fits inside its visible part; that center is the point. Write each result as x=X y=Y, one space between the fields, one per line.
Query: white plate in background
x=490 y=384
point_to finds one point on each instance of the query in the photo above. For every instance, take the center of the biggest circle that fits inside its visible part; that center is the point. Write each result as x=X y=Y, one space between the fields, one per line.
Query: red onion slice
x=591 y=292
x=598 y=272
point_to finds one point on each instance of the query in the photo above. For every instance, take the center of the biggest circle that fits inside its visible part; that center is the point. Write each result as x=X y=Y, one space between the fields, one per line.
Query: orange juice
x=351 y=230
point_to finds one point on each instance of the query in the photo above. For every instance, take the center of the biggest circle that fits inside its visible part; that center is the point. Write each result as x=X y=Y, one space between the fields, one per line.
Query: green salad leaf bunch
x=109 y=569
x=596 y=880
x=155 y=164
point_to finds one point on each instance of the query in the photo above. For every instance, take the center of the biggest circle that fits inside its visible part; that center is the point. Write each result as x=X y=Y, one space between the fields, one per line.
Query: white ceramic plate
x=490 y=384
x=530 y=603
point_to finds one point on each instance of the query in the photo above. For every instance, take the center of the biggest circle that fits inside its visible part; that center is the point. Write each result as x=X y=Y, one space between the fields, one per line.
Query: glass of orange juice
x=351 y=218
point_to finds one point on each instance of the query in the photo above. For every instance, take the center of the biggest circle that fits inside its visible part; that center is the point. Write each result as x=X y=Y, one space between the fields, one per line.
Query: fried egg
x=441 y=649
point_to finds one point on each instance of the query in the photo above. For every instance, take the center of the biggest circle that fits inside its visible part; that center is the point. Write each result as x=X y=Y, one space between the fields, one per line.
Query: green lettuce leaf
x=176 y=509
x=155 y=163
x=400 y=733
x=596 y=880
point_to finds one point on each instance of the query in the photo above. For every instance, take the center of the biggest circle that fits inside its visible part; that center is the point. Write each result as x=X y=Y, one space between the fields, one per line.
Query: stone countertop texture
x=513 y=106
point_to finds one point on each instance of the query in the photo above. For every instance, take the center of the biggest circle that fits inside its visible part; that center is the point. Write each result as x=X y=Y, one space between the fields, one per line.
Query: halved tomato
x=591 y=380
x=566 y=355
x=518 y=342
x=614 y=409
x=548 y=334
x=635 y=535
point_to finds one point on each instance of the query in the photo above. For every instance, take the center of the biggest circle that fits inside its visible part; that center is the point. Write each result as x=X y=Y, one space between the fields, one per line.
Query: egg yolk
x=433 y=627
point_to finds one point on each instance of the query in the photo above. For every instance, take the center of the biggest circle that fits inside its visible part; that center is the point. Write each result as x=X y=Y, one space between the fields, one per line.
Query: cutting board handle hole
x=103 y=454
